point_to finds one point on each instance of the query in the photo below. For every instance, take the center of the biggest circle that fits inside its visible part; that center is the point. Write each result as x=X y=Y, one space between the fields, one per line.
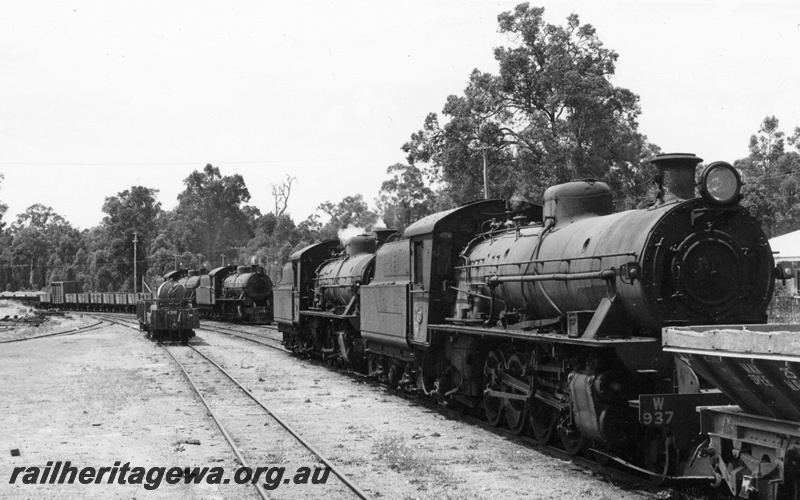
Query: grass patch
x=398 y=455
x=277 y=454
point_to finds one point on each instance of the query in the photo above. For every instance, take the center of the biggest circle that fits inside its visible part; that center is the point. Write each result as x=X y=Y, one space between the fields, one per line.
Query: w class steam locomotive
x=548 y=318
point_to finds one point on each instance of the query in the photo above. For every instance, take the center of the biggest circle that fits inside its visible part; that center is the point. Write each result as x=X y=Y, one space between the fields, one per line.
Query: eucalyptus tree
x=37 y=235
x=404 y=198
x=129 y=225
x=550 y=115
x=211 y=217
x=772 y=178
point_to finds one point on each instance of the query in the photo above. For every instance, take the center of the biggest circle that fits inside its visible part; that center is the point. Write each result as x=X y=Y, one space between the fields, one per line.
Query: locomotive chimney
x=676 y=176
x=363 y=243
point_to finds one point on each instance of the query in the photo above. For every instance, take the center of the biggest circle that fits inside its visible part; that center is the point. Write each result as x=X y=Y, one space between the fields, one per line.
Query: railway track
x=265 y=338
x=239 y=415
x=602 y=465
x=117 y=319
x=73 y=331
x=621 y=474
x=273 y=342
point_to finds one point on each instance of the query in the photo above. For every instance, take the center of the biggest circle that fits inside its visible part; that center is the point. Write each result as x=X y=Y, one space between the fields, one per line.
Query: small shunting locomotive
x=169 y=316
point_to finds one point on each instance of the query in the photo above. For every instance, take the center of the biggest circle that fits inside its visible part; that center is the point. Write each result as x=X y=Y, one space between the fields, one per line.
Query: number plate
x=676 y=411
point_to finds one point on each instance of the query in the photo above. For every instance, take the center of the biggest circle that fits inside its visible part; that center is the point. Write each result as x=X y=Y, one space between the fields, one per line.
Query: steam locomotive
x=169 y=315
x=317 y=302
x=228 y=293
x=547 y=318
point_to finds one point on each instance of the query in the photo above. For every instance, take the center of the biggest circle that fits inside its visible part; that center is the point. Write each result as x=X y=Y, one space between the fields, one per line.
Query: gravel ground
x=111 y=396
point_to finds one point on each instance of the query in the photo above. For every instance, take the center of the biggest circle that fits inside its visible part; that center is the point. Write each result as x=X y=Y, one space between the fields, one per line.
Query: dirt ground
x=110 y=397
x=98 y=398
x=15 y=327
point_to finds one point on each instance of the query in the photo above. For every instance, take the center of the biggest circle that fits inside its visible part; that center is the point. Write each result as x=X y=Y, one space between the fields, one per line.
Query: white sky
x=98 y=96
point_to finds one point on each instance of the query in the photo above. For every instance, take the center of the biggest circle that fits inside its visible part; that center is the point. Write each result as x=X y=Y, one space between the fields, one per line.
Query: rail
x=82 y=329
x=262 y=493
x=246 y=336
x=345 y=480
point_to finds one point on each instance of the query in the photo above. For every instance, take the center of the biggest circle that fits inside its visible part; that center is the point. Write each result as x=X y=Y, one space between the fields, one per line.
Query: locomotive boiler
x=683 y=261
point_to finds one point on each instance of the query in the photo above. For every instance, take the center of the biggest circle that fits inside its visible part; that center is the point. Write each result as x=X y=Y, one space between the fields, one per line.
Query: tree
x=36 y=234
x=772 y=178
x=472 y=139
x=5 y=254
x=404 y=198
x=210 y=216
x=765 y=149
x=352 y=212
x=64 y=262
x=551 y=115
x=768 y=144
x=280 y=194
x=3 y=207
x=794 y=140
x=132 y=214
x=162 y=258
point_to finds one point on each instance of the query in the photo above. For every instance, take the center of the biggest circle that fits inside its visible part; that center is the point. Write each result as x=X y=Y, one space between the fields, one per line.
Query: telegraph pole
x=135 y=241
x=485 y=176
x=485 y=181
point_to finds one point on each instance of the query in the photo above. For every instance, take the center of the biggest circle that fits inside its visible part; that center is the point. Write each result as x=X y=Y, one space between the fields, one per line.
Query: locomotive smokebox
x=676 y=175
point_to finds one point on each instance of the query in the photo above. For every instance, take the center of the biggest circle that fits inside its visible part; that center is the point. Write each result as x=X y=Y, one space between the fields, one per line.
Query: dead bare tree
x=281 y=194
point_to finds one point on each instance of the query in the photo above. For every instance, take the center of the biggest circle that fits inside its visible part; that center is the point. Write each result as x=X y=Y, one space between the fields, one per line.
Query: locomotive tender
x=547 y=318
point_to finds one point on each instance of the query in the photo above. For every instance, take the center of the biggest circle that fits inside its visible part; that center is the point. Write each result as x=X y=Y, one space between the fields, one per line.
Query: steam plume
x=348 y=233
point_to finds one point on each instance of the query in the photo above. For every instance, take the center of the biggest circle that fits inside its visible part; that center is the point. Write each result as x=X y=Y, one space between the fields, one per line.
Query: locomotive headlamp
x=784 y=271
x=720 y=184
